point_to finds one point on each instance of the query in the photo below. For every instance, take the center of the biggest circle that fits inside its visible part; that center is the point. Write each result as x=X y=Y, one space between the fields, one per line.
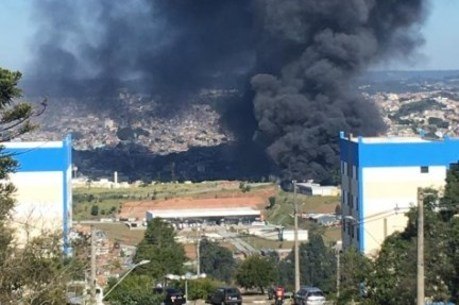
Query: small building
x=380 y=178
x=314 y=189
x=289 y=235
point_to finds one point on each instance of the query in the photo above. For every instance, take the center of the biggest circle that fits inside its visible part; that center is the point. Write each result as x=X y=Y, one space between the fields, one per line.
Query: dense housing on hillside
x=380 y=180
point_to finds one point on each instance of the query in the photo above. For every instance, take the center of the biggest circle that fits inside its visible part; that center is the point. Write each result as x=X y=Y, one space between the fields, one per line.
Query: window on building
x=349 y=170
x=358 y=233
x=342 y=167
x=350 y=200
x=352 y=231
x=424 y=169
x=357 y=203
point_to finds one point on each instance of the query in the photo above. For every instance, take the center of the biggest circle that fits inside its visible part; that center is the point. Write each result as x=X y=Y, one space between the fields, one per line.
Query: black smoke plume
x=293 y=60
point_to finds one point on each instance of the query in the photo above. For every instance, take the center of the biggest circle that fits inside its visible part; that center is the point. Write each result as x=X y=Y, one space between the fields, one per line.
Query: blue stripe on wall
x=42 y=159
x=433 y=153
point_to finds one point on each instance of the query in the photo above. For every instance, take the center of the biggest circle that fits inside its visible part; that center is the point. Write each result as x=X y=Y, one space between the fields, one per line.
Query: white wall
x=388 y=188
x=39 y=202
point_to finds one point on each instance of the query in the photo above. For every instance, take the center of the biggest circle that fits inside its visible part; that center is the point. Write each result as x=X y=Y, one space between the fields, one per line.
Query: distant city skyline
x=438 y=53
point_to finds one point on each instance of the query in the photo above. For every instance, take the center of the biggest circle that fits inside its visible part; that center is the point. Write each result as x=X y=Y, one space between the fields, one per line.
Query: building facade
x=43 y=187
x=380 y=178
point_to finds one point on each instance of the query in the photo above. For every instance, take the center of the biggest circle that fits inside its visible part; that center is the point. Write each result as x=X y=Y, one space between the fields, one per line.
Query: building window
x=350 y=200
x=424 y=169
x=357 y=203
x=352 y=231
x=358 y=234
x=349 y=170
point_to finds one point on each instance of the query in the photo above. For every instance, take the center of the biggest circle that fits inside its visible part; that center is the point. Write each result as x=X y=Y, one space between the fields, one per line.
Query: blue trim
x=438 y=153
x=66 y=199
x=39 y=159
x=361 y=212
x=392 y=154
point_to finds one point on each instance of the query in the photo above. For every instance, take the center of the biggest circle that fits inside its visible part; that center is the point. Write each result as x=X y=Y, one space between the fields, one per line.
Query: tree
x=394 y=278
x=354 y=270
x=94 y=210
x=216 y=261
x=160 y=248
x=33 y=273
x=256 y=272
x=15 y=116
x=134 y=290
x=450 y=200
x=317 y=263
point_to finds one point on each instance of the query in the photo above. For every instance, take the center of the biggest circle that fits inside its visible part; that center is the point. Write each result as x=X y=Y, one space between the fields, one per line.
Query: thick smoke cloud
x=301 y=106
x=295 y=61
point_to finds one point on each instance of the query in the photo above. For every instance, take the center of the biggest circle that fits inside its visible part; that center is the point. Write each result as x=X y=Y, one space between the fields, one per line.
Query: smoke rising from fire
x=294 y=59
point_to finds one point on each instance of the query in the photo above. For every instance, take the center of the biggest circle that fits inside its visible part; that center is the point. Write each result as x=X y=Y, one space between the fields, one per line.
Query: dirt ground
x=255 y=198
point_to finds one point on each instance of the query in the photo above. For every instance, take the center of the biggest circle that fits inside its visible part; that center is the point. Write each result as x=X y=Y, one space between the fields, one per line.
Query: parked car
x=172 y=296
x=225 y=296
x=309 y=296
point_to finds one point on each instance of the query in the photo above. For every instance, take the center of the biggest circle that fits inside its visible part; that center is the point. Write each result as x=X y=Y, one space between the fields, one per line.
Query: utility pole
x=420 y=261
x=198 y=254
x=93 y=266
x=296 y=246
x=337 y=271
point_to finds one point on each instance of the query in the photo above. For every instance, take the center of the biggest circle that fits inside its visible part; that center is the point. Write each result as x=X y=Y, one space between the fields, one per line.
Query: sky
x=440 y=51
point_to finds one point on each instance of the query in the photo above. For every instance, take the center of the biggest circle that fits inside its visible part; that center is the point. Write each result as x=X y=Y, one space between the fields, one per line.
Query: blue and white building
x=43 y=187
x=380 y=178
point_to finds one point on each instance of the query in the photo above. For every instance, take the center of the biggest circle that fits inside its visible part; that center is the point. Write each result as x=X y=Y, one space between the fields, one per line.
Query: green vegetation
x=160 y=248
x=135 y=289
x=256 y=272
x=165 y=255
x=216 y=261
x=282 y=211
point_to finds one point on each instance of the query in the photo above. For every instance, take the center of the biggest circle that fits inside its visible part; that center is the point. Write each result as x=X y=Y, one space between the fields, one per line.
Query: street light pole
x=420 y=260
x=296 y=246
x=143 y=262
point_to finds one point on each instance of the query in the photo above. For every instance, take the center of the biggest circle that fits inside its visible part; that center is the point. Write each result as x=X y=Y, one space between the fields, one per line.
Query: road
x=240 y=244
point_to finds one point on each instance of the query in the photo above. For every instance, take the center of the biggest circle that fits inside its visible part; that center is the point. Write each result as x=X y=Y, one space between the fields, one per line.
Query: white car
x=309 y=296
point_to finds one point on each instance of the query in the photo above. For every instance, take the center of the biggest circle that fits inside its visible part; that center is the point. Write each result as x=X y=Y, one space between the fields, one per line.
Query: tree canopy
x=256 y=272
x=216 y=261
x=160 y=248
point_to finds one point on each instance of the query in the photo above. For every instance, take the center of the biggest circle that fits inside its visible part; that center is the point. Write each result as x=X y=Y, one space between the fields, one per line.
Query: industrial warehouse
x=183 y=212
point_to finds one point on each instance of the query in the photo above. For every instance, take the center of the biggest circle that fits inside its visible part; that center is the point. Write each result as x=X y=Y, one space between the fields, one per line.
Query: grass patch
x=121 y=233
x=281 y=212
x=261 y=243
